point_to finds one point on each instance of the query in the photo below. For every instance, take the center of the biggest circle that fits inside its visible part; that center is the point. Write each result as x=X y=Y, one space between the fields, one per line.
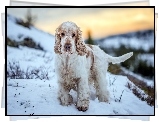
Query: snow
x=149 y=58
x=28 y=56
x=38 y=96
x=147 y=81
x=42 y=94
x=18 y=33
x=128 y=42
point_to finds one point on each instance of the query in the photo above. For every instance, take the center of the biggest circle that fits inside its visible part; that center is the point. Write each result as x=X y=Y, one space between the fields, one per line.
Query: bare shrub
x=15 y=72
x=129 y=85
x=142 y=96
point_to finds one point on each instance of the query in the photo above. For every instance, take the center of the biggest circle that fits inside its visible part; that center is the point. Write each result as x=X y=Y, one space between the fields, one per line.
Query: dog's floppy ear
x=57 y=46
x=80 y=45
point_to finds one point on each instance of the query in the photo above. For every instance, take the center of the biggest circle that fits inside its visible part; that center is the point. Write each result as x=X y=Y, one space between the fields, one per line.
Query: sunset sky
x=101 y=22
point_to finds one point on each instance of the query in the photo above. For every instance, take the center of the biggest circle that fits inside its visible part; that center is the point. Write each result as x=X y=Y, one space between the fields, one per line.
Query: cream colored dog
x=78 y=65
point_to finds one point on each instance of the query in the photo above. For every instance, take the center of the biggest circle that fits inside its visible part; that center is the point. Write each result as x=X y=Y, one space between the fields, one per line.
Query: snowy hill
x=32 y=85
x=141 y=43
x=137 y=40
x=19 y=33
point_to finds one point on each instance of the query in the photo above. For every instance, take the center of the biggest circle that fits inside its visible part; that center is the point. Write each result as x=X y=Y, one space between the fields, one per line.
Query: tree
x=89 y=40
x=29 y=18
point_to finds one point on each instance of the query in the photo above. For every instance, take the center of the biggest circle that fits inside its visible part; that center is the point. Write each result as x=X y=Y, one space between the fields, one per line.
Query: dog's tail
x=119 y=59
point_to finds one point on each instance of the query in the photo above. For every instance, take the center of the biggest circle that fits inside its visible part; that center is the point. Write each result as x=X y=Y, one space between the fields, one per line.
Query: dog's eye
x=73 y=35
x=62 y=34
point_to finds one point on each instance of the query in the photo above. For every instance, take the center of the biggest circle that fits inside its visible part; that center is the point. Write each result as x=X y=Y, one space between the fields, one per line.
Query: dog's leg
x=83 y=94
x=63 y=94
x=101 y=87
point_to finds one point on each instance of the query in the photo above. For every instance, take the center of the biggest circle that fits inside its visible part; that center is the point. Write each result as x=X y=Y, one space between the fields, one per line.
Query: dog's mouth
x=68 y=52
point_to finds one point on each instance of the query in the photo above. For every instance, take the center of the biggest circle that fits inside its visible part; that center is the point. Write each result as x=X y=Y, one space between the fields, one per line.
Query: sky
x=101 y=22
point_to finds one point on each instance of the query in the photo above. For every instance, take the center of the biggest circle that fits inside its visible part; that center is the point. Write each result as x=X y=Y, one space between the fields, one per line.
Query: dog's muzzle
x=67 y=47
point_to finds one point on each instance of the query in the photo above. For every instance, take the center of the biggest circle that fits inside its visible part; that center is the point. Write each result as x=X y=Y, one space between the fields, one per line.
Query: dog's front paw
x=103 y=98
x=82 y=105
x=66 y=100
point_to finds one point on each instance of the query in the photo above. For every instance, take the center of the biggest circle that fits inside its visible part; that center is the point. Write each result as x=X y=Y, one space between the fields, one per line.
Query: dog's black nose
x=67 y=47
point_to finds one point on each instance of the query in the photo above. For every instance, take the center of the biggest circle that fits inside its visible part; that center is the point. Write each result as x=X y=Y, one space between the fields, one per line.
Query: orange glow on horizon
x=107 y=22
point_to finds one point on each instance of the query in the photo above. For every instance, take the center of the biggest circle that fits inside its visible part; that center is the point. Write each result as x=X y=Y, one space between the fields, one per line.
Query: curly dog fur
x=78 y=65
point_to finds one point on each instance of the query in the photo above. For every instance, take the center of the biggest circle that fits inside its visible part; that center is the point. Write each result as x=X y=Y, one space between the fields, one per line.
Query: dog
x=78 y=65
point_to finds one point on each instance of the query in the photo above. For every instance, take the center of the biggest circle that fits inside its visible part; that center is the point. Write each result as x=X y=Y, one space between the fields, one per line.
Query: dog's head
x=68 y=39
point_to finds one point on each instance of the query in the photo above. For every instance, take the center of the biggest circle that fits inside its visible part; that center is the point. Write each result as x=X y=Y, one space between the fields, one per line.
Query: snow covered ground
x=39 y=97
x=36 y=92
x=147 y=81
